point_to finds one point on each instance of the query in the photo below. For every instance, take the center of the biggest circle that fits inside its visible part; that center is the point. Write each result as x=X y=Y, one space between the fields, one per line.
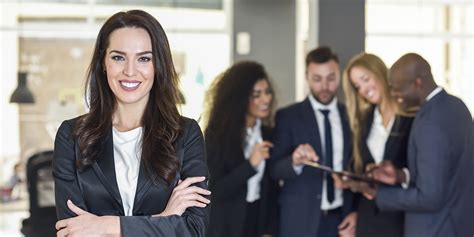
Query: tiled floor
x=10 y=223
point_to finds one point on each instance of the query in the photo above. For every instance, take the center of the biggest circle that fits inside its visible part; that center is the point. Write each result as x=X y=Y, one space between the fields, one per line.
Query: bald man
x=436 y=189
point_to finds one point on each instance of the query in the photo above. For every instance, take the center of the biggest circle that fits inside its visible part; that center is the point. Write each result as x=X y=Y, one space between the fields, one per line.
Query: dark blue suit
x=439 y=201
x=300 y=197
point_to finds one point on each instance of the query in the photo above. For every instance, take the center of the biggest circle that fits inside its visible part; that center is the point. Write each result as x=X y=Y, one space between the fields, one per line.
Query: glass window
x=402 y=18
x=52 y=41
x=440 y=31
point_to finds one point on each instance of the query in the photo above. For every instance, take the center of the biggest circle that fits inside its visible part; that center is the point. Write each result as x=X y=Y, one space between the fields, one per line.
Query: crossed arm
x=184 y=214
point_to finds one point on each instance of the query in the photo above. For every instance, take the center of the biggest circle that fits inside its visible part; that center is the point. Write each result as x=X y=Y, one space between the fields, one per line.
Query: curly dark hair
x=161 y=121
x=227 y=103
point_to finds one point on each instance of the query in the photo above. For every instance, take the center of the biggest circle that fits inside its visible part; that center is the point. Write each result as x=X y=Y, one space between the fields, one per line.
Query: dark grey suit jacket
x=300 y=196
x=95 y=189
x=439 y=201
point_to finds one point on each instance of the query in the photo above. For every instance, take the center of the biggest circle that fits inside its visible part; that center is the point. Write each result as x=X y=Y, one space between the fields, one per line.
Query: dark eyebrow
x=123 y=53
x=143 y=53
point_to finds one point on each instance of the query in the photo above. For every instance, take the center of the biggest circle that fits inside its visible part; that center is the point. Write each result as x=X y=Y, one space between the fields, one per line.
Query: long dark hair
x=161 y=120
x=227 y=103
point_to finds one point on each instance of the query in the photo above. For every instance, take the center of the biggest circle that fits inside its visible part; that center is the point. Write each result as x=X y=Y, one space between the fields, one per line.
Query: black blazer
x=300 y=196
x=95 y=189
x=371 y=222
x=228 y=183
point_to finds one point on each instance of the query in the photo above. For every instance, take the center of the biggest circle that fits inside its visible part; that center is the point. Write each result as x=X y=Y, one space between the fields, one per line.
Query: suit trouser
x=251 y=219
x=328 y=223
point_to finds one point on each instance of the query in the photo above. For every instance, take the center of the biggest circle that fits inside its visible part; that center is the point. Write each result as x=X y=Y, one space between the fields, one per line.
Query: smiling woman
x=129 y=67
x=132 y=166
x=379 y=134
x=240 y=104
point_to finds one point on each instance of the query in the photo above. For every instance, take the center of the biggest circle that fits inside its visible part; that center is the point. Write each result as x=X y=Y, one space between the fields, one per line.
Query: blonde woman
x=380 y=133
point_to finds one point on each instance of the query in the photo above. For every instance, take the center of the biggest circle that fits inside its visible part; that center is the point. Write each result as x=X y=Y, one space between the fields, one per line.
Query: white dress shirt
x=433 y=93
x=127 y=153
x=378 y=136
x=254 y=136
x=337 y=147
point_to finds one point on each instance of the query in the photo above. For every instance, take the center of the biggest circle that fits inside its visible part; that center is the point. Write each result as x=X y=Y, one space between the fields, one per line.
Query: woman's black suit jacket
x=95 y=189
x=371 y=222
x=228 y=184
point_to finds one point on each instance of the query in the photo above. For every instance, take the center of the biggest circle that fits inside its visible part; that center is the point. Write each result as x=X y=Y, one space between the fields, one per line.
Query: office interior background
x=52 y=41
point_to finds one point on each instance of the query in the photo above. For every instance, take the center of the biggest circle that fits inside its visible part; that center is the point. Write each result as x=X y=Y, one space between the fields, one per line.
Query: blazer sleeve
x=428 y=191
x=226 y=183
x=282 y=164
x=194 y=220
x=66 y=185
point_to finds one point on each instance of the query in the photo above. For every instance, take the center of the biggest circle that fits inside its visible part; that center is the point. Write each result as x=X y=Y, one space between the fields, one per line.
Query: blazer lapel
x=310 y=124
x=143 y=184
x=266 y=133
x=365 y=153
x=368 y=124
x=391 y=144
x=105 y=169
x=147 y=178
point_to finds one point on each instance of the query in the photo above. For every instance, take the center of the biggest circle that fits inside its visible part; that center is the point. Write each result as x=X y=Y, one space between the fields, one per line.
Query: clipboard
x=349 y=174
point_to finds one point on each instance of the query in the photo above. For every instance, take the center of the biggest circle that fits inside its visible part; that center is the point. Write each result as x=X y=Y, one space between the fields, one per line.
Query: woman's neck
x=250 y=121
x=388 y=111
x=127 y=117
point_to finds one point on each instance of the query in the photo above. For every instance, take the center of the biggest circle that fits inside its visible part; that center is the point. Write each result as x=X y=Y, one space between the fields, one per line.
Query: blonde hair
x=357 y=106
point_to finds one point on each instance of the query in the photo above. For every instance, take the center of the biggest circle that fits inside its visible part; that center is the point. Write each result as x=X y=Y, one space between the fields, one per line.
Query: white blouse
x=378 y=136
x=254 y=136
x=127 y=153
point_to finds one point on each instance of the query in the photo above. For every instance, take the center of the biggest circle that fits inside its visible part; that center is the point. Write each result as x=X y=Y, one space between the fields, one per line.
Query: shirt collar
x=434 y=92
x=317 y=105
x=379 y=120
x=256 y=127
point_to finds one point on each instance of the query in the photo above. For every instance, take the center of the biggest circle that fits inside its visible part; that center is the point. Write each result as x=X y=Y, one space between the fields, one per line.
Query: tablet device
x=348 y=174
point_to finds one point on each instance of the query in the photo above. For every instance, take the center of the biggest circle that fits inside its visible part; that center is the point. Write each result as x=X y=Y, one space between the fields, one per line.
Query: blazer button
x=318 y=196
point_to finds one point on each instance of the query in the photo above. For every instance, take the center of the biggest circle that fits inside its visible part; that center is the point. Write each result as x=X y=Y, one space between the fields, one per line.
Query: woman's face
x=260 y=100
x=129 y=65
x=368 y=87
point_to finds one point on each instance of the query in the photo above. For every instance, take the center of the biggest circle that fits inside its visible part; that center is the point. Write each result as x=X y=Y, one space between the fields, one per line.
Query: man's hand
x=304 y=152
x=386 y=173
x=347 y=228
x=340 y=181
x=368 y=190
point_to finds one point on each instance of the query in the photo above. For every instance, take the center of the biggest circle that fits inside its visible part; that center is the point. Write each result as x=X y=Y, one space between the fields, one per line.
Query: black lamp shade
x=22 y=94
